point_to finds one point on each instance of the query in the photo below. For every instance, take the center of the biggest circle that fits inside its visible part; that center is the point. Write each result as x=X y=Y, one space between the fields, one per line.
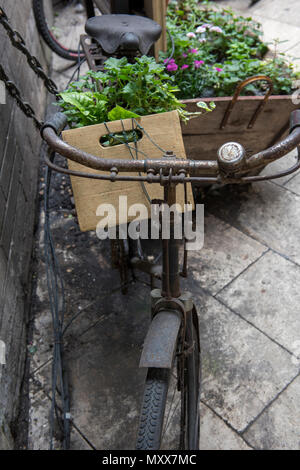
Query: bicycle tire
x=48 y=36
x=155 y=399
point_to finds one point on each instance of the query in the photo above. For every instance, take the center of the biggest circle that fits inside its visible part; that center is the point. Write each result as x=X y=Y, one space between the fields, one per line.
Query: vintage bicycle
x=170 y=408
x=171 y=352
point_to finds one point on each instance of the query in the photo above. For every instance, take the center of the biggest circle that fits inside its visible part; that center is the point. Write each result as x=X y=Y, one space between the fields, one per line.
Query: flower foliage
x=214 y=50
x=123 y=90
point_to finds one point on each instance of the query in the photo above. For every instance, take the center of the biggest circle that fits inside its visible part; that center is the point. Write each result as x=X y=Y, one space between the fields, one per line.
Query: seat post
x=120 y=6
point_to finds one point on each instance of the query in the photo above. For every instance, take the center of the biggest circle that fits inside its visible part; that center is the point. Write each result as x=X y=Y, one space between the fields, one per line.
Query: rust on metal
x=275 y=151
x=168 y=171
x=92 y=52
x=106 y=164
x=237 y=93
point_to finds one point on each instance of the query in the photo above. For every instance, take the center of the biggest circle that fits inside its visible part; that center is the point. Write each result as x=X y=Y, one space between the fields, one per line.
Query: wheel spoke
x=169 y=421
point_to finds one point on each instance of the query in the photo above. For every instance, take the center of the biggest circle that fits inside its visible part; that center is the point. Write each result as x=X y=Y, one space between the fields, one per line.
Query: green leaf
x=130 y=89
x=118 y=113
x=203 y=105
x=81 y=101
x=115 y=64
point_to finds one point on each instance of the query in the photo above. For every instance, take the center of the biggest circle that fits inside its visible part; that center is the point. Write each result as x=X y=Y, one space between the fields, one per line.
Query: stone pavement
x=245 y=285
x=280 y=20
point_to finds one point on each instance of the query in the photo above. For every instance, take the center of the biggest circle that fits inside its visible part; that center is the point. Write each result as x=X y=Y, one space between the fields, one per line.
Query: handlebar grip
x=295 y=120
x=58 y=122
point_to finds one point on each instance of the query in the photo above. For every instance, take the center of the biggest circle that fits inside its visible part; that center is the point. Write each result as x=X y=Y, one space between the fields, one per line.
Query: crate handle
x=237 y=94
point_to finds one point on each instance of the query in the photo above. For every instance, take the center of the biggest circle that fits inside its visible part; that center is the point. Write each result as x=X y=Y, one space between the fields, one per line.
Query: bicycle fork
x=173 y=313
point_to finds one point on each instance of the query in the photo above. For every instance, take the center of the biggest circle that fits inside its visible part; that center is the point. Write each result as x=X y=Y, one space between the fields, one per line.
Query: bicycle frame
x=89 y=6
x=170 y=252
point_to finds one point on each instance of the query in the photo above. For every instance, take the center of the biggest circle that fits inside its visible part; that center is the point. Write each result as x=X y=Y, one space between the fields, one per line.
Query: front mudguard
x=161 y=340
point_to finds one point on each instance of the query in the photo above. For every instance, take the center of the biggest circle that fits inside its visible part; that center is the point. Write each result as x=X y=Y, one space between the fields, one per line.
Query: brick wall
x=19 y=161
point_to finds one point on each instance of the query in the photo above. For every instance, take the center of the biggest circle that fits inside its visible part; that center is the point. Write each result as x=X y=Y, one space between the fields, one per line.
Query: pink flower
x=184 y=66
x=218 y=69
x=172 y=67
x=216 y=29
x=202 y=40
x=184 y=55
x=194 y=51
x=198 y=63
x=191 y=35
x=169 y=61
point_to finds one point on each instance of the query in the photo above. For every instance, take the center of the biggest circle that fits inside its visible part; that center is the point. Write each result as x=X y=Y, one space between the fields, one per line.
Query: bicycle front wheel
x=170 y=409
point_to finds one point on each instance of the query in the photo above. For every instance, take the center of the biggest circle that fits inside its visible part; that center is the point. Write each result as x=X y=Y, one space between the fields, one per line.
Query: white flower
x=216 y=29
x=191 y=35
x=201 y=29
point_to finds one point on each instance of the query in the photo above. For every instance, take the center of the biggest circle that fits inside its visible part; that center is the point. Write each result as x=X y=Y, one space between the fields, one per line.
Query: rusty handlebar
x=230 y=166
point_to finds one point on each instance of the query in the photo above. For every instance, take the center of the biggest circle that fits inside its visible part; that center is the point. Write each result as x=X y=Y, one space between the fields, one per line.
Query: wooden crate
x=203 y=136
x=164 y=129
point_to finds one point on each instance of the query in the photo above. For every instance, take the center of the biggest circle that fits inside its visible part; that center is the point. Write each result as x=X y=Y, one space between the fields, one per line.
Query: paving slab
x=39 y=430
x=216 y=435
x=77 y=442
x=264 y=211
x=267 y=295
x=240 y=6
x=282 y=164
x=278 y=427
x=107 y=384
x=286 y=34
x=242 y=369
x=86 y=269
x=275 y=9
x=225 y=254
x=294 y=184
x=294 y=54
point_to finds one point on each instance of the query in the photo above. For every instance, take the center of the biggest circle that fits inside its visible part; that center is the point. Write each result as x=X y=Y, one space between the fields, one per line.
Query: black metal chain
x=15 y=93
x=18 y=42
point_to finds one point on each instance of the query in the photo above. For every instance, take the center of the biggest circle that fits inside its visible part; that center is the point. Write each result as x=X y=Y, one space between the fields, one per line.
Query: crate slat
x=202 y=136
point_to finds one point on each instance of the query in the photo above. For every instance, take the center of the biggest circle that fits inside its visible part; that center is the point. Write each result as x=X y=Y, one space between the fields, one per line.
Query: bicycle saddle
x=129 y=31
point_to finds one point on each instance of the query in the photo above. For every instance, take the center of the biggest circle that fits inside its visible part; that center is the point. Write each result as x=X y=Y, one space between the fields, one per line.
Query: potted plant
x=210 y=53
x=134 y=106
